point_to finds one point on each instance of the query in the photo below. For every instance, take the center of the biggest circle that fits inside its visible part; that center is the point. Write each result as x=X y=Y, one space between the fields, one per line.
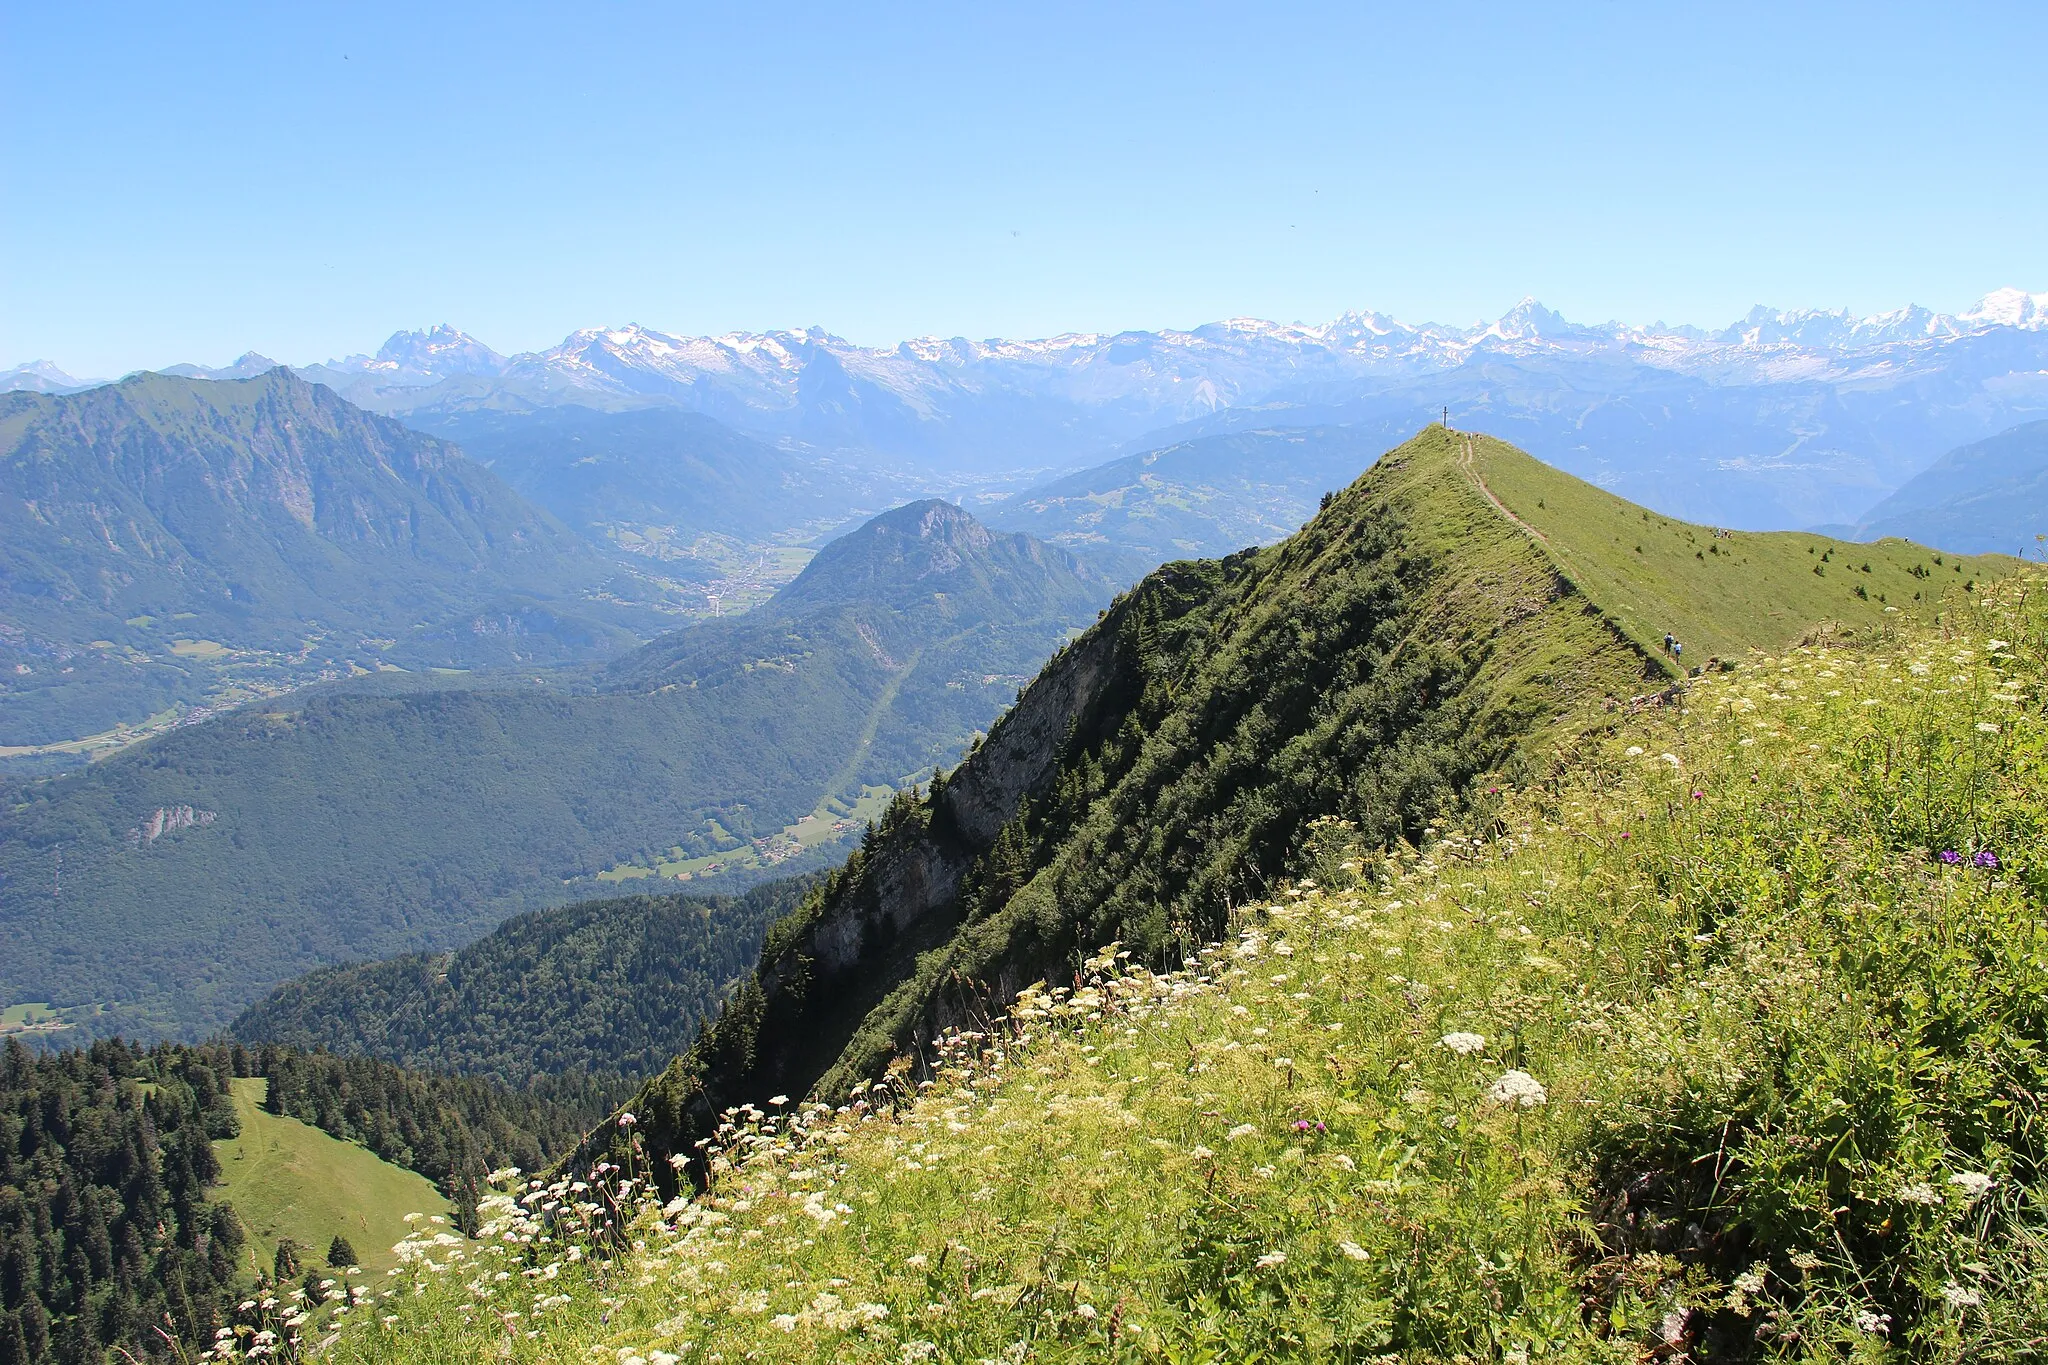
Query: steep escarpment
x=1408 y=641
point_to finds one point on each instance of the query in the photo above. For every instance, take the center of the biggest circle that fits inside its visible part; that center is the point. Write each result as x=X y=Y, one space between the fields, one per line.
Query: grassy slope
x=1719 y=596
x=288 y=1179
x=1777 y=1041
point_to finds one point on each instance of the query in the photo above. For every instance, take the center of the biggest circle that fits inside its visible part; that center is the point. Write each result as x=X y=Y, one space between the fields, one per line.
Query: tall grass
x=1723 y=1042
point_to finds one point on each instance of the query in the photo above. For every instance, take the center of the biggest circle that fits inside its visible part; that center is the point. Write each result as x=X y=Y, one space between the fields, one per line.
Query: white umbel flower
x=1518 y=1090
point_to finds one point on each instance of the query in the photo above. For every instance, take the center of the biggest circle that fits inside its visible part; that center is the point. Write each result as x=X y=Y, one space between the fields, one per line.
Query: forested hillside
x=611 y=988
x=1407 y=649
x=112 y=1230
x=176 y=883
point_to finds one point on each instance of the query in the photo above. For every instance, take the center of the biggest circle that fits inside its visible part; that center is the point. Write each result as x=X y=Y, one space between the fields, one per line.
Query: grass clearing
x=288 y=1179
x=1717 y=1041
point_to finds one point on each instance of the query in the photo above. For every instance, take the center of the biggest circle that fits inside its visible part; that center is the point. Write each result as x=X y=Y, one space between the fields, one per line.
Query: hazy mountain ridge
x=1987 y=497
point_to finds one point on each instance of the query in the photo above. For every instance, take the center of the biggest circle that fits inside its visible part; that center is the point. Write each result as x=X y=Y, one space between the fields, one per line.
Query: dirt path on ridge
x=1472 y=473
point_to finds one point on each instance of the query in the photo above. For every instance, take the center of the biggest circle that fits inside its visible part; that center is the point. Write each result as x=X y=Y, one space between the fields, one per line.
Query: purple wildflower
x=1951 y=857
x=1984 y=858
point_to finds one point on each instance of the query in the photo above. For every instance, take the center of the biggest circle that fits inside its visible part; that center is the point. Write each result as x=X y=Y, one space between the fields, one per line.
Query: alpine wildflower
x=1518 y=1090
x=1974 y=1184
x=1464 y=1044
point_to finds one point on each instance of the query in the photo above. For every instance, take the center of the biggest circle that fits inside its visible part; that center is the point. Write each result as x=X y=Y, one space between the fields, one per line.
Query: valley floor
x=1723 y=1041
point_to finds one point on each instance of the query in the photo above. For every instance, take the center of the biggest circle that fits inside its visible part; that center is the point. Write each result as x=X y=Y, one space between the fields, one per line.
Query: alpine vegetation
x=1717 y=1034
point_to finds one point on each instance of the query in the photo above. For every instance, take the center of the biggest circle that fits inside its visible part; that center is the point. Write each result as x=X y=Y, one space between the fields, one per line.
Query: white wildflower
x=1518 y=1090
x=1873 y=1323
x=1751 y=1281
x=1270 y=1260
x=1464 y=1044
x=1241 y=1132
x=1354 y=1251
x=1974 y=1184
x=1919 y=1192
x=1956 y=1296
x=1987 y=727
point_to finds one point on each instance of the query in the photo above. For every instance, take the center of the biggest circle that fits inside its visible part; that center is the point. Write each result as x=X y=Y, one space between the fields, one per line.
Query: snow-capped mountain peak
x=42 y=376
x=436 y=352
x=2010 y=308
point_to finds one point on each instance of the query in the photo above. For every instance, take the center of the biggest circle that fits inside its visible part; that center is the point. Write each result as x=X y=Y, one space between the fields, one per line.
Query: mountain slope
x=1408 y=645
x=1708 y=1044
x=1988 y=496
x=179 y=881
x=160 y=526
x=614 y=987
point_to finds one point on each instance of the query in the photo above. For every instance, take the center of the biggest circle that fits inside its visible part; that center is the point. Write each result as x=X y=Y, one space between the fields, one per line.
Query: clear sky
x=186 y=182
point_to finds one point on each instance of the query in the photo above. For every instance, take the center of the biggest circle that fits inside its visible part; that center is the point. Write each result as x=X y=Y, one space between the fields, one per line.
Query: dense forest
x=610 y=988
x=107 y=1237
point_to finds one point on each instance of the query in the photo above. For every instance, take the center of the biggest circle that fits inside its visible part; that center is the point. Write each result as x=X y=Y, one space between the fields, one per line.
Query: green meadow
x=288 y=1179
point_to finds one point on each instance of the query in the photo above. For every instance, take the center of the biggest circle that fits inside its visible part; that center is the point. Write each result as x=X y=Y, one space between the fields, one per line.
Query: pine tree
x=340 y=1253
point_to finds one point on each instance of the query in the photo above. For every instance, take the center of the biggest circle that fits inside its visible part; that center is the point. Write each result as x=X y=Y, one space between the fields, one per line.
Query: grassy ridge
x=1417 y=640
x=1719 y=1039
x=1721 y=593
x=288 y=1179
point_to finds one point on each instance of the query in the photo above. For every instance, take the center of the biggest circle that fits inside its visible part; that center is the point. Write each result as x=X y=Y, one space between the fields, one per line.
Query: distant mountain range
x=176 y=882
x=1780 y=419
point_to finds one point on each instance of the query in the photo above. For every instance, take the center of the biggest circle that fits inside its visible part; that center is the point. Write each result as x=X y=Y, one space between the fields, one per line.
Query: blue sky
x=188 y=182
